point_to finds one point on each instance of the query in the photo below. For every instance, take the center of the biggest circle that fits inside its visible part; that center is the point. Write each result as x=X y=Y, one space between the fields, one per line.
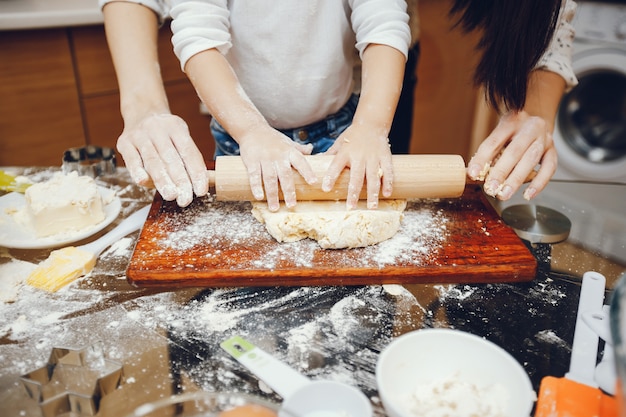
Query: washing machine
x=590 y=130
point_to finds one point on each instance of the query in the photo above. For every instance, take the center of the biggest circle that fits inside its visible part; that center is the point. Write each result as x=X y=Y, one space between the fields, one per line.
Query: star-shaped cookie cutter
x=73 y=381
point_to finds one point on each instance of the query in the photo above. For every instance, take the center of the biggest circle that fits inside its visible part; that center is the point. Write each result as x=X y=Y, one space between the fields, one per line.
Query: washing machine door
x=590 y=134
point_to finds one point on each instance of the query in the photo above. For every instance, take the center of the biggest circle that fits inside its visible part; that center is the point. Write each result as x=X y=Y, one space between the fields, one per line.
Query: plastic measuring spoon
x=606 y=371
x=302 y=397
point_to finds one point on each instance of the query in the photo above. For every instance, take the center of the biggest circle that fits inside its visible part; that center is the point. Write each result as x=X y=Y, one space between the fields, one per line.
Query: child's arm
x=364 y=146
x=268 y=154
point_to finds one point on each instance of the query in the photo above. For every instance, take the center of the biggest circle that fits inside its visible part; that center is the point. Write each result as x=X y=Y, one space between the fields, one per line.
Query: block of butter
x=64 y=203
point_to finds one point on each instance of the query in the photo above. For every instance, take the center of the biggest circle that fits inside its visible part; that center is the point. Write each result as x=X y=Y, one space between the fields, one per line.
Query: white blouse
x=557 y=58
x=294 y=60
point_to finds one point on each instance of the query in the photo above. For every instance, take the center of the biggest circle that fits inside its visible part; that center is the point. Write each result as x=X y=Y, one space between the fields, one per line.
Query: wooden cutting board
x=215 y=244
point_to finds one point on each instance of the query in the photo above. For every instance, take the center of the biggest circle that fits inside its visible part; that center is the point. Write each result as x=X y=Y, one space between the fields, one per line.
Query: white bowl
x=424 y=357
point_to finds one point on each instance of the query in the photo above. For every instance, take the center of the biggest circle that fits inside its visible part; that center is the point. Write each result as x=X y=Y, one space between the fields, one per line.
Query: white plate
x=18 y=236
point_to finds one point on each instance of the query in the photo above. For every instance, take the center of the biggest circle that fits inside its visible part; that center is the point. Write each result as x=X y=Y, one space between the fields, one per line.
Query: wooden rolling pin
x=415 y=176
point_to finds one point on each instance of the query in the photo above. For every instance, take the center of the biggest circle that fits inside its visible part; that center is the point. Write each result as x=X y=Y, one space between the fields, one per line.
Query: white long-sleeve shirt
x=557 y=58
x=294 y=60
x=160 y=7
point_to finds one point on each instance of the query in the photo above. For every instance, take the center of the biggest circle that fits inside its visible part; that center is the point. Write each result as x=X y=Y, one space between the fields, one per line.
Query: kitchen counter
x=161 y=342
x=38 y=14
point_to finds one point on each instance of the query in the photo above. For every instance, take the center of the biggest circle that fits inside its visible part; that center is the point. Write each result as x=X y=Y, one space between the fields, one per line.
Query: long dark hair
x=515 y=34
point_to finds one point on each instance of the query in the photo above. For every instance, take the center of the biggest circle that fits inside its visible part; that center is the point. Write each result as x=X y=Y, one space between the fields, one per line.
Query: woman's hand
x=368 y=156
x=521 y=141
x=158 y=149
x=156 y=145
x=269 y=157
x=509 y=155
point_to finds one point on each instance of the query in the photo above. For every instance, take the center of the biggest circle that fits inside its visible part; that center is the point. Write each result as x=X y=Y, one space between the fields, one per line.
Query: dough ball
x=331 y=224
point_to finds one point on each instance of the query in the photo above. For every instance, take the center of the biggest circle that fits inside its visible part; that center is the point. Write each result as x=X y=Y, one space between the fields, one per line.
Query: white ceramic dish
x=424 y=356
x=18 y=236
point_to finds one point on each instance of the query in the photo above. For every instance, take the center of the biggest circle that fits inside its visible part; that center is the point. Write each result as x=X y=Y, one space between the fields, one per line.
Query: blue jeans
x=321 y=134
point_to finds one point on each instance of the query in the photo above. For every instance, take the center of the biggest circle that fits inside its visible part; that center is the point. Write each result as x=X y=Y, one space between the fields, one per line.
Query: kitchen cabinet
x=59 y=90
x=40 y=113
x=445 y=97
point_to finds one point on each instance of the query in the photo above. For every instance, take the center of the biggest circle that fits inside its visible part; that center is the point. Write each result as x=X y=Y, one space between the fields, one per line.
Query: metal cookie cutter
x=90 y=160
x=73 y=381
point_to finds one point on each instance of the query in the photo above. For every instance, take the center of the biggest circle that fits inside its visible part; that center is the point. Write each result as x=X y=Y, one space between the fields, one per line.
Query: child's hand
x=368 y=155
x=269 y=157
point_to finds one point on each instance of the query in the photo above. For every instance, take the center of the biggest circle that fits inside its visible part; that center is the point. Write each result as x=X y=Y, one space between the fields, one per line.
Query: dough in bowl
x=331 y=224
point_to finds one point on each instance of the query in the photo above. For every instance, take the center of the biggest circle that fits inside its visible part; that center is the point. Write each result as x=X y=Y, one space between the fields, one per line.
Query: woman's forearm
x=132 y=34
x=545 y=90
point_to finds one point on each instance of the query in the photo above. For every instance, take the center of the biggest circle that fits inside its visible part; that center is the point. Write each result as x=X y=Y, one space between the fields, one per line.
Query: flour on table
x=394 y=289
x=455 y=397
x=12 y=277
x=217 y=226
x=550 y=337
x=331 y=224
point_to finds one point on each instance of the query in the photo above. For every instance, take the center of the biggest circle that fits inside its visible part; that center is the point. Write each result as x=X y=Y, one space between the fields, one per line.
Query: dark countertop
x=165 y=342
